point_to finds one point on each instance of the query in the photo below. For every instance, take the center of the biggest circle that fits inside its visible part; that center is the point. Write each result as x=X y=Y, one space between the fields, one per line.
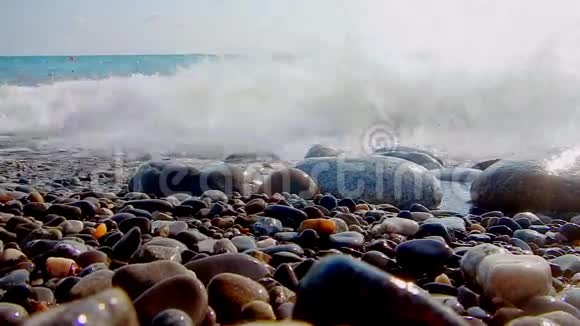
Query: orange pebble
x=321 y=225
x=61 y=267
x=100 y=231
x=5 y=197
x=35 y=197
x=363 y=207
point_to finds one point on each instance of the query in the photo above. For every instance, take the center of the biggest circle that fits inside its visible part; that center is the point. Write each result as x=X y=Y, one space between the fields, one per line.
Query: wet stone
x=148 y=253
x=289 y=216
x=292 y=248
x=423 y=256
x=127 y=245
x=348 y=239
x=330 y=295
x=229 y=293
x=172 y=290
x=172 y=317
x=267 y=226
x=92 y=284
x=111 y=307
x=12 y=314
x=243 y=243
x=241 y=264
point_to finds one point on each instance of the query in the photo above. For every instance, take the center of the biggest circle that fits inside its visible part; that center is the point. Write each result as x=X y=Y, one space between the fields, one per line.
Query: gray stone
x=167 y=177
x=319 y=150
x=516 y=186
x=108 y=308
x=92 y=284
x=267 y=226
x=376 y=180
x=339 y=290
x=531 y=236
x=569 y=263
x=451 y=223
x=425 y=160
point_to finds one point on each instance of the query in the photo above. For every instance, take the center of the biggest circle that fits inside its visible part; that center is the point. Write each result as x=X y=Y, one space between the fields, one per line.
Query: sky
x=466 y=31
x=163 y=26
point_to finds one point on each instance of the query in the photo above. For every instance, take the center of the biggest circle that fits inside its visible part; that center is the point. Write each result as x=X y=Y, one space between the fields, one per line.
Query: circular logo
x=379 y=137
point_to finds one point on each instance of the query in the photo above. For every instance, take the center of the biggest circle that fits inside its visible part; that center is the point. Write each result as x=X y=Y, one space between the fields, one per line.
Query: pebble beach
x=247 y=240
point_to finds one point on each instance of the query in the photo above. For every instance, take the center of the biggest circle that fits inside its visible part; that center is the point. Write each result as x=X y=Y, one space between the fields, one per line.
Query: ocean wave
x=215 y=108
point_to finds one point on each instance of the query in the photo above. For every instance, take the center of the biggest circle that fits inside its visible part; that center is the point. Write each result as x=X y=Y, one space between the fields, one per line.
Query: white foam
x=476 y=82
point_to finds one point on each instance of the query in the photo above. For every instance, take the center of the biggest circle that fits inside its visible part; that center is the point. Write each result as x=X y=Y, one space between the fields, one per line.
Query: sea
x=211 y=105
x=35 y=70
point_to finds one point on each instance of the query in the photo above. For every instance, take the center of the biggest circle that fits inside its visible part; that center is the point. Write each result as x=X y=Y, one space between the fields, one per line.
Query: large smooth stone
x=15 y=278
x=243 y=243
x=167 y=178
x=516 y=186
x=127 y=245
x=183 y=292
x=457 y=174
x=242 y=264
x=376 y=180
x=571 y=296
x=397 y=225
x=568 y=263
x=251 y=157
x=340 y=290
x=531 y=236
x=561 y=318
x=148 y=253
x=320 y=150
x=545 y=304
x=289 y=180
x=172 y=317
x=12 y=314
x=533 y=218
x=472 y=259
x=514 y=278
x=571 y=231
x=92 y=284
x=289 y=216
x=407 y=149
x=108 y=308
x=349 y=239
x=423 y=256
x=425 y=160
x=229 y=293
x=138 y=278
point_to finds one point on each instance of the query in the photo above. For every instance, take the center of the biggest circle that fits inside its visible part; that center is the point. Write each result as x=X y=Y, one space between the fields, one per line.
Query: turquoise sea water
x=32 y=70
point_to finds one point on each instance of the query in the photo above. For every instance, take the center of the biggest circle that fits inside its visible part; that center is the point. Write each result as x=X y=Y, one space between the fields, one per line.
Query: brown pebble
x=35 y=197
x=324 y=227
x=229 y=293
x=505 y=314
x=242 y=264
x=90 y=257
x=258 y=310
x=61 y=267
x=183 y=292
